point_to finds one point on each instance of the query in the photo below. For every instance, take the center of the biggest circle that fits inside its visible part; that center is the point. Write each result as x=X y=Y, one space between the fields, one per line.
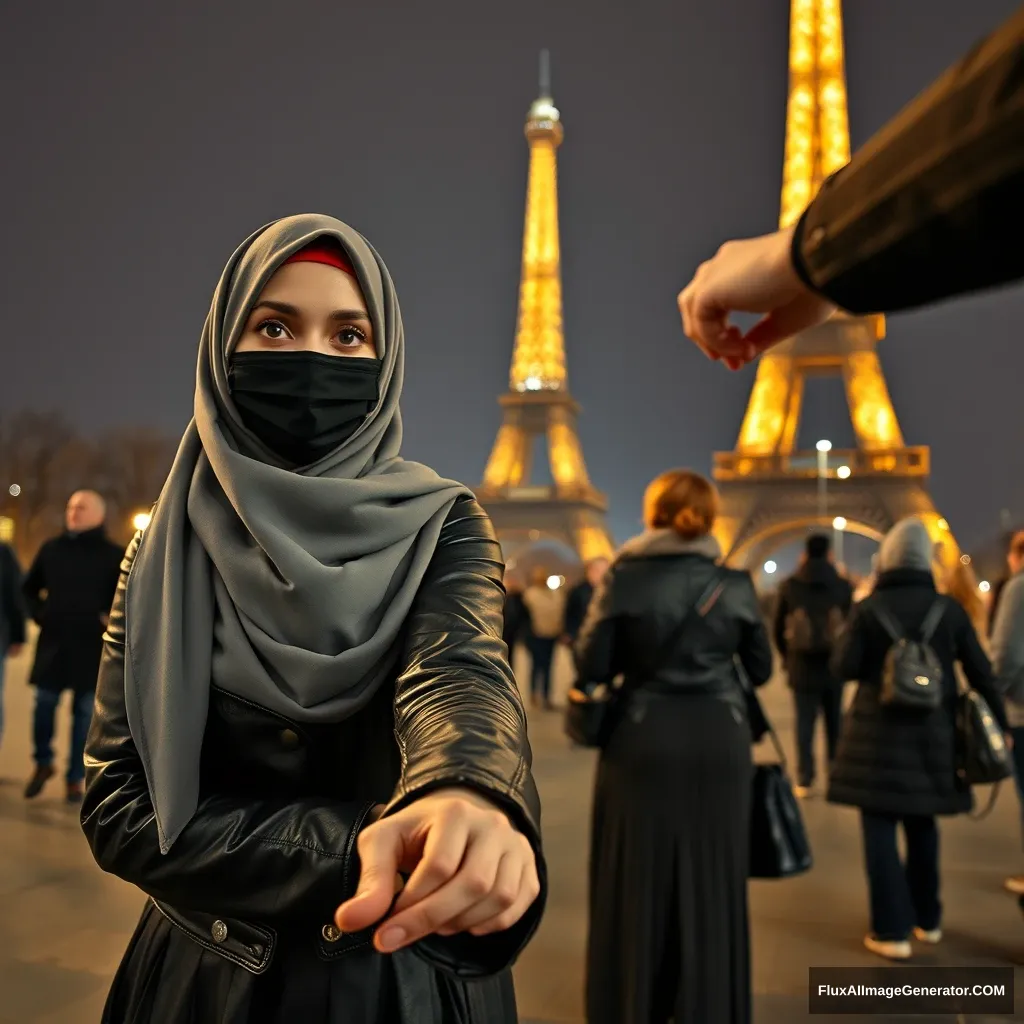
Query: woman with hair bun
x=668 y=935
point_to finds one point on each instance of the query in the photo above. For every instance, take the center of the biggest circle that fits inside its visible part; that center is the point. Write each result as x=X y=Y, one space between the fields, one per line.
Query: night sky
x=141 y=145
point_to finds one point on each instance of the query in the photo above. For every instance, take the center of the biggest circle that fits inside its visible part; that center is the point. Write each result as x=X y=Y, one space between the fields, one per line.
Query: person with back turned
x=69 y=591
x=809 y=616
x=669 y=855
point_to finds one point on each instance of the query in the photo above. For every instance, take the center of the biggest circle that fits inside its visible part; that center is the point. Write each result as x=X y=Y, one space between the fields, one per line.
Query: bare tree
x=130 y=466
x=45 y=461
x=42 y=460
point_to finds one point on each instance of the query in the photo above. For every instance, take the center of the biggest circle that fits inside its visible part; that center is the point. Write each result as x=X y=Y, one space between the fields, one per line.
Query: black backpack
x=911 y=673
x=814 y=627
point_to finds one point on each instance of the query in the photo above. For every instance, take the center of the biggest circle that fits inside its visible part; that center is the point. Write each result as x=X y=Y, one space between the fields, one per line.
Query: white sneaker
x=932 y=937
x=802 y=792
x=889 y=950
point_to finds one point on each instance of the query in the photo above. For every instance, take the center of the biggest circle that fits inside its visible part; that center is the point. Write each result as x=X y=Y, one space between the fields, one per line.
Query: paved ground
x=63 y=925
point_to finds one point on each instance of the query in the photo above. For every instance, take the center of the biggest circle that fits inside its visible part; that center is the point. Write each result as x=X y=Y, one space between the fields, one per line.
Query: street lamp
x=984 y=586
x=824 y=447
x=770 y=567
x=839 y=525
x=843 y=472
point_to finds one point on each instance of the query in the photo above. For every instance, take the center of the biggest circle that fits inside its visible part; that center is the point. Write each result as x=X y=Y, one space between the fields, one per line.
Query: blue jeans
x=42 y=731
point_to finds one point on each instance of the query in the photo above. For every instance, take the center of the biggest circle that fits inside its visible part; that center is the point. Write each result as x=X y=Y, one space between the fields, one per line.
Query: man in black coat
x=12 y=616
x=69 y=591
x=812 y=607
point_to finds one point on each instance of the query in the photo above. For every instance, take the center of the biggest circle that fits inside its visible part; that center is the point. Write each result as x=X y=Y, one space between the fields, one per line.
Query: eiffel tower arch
x=771 y=492
x=571 y=511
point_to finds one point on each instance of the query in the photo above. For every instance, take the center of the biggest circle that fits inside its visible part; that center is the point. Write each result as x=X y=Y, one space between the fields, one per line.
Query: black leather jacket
x=271 y=850
x=642 y=600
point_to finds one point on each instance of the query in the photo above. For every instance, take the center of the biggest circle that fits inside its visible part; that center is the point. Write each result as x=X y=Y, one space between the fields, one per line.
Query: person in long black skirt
x=668 y=937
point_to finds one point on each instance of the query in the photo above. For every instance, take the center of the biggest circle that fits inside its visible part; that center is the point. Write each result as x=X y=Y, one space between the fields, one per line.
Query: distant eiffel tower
x=538 y=403
x=772 y=493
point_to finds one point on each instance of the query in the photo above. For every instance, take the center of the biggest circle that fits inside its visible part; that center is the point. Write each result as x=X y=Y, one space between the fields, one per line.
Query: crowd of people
x=294 y=712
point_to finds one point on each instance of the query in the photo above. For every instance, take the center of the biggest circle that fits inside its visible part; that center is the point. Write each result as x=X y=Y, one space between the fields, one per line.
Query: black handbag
x=779 y=847
x=590 y=718
x=982 y=757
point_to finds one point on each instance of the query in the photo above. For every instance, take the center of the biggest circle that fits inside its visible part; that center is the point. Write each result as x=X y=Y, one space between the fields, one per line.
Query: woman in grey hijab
x=304 y=660
x=897 y=765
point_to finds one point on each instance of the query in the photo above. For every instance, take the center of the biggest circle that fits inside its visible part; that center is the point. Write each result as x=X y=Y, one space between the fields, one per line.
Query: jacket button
x=219 y=931
x=330 y=933
x=289 y=738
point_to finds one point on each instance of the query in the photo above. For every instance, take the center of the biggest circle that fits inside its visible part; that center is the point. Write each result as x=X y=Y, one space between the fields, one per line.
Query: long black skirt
x=668 y=871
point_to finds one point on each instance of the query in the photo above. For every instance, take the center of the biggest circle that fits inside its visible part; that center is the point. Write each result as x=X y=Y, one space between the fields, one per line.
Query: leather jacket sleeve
x=933 y=205
x=271 y=860
x=595 y=650
x=459 y=717
x=755 y=649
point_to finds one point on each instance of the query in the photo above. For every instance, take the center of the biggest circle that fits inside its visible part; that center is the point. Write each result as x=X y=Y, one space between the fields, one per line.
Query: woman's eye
x=351 y=336
x=272 y=329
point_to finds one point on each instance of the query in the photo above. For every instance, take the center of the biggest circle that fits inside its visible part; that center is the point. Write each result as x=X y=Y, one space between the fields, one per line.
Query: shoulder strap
x=707 y=600
x=889 y=624
x=932 y=620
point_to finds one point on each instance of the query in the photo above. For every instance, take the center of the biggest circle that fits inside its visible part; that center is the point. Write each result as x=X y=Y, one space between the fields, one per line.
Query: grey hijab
x=906 y=546
x=287 y=588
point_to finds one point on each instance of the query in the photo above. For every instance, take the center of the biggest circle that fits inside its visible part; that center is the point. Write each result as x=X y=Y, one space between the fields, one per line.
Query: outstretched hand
x=468 y=870
x=755 y=275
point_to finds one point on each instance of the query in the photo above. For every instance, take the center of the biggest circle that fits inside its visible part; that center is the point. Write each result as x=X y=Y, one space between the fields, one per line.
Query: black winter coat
x=69 y=591
x=815 y=587
x=12 y=608
x=893 y=761
x=237 y=929
x=642 y=600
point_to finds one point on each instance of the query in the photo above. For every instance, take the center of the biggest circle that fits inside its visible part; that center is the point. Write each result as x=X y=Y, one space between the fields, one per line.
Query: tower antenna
x=545 y=74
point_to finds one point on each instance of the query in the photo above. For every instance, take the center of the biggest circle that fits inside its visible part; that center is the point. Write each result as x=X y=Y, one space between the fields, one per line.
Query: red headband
x=324 y=251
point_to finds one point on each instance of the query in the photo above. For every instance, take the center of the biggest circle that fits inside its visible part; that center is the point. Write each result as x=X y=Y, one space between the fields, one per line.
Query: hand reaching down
x=754 y=275
x=468 y=870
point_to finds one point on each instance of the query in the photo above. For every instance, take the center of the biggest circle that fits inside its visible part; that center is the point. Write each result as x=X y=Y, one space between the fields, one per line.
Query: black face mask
x=303 y=405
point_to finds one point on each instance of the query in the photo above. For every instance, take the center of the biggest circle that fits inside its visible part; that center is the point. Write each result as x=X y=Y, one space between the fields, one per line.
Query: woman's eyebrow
x=289 y=310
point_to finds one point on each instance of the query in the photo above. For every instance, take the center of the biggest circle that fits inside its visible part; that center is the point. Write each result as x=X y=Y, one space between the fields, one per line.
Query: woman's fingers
x=488 y=883
x=505 y=893
x=443 y=851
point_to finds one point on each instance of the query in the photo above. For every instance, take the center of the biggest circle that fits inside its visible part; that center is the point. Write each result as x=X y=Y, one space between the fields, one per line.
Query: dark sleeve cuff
x=796 y=251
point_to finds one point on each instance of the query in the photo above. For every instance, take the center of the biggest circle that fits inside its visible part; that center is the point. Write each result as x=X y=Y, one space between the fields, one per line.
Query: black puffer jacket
x=898 y=762
x=238 y=923
x=640 y=603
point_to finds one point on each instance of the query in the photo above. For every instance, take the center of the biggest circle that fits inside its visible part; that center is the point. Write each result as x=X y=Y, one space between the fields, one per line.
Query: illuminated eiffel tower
x=538 y=404
x=771 y=492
